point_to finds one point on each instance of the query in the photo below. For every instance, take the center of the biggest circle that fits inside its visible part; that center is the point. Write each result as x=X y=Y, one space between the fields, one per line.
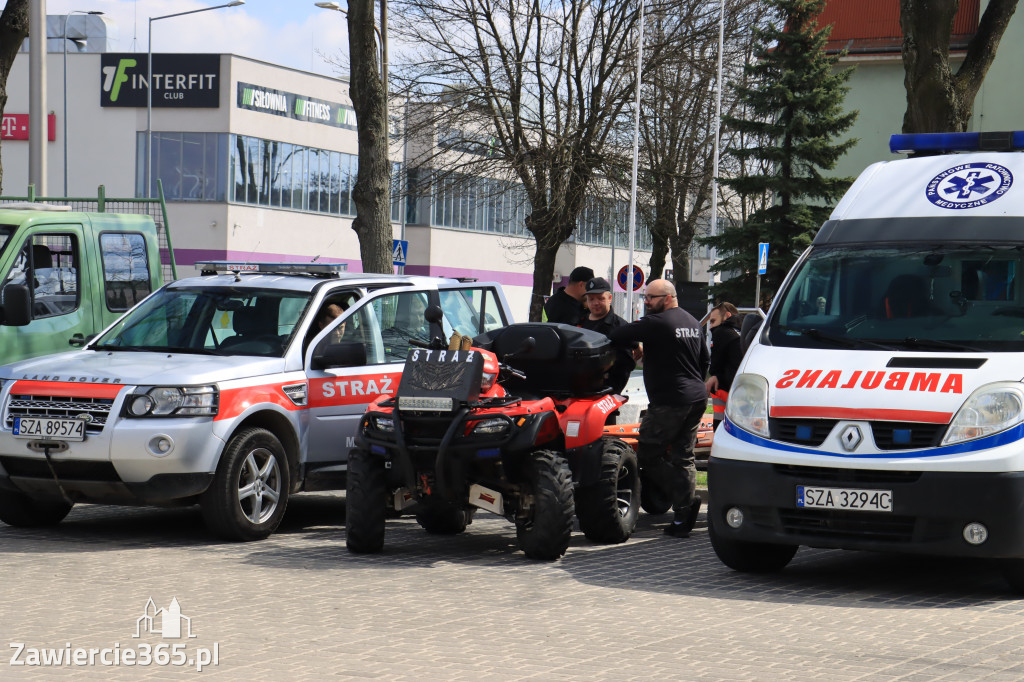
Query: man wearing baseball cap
x=602 y=319
x=565 y=305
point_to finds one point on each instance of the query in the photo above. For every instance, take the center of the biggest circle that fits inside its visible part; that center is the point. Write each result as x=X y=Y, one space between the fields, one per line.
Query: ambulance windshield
x=948 y=298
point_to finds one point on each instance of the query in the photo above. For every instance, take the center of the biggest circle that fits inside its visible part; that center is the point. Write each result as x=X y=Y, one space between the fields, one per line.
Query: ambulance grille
x=907 y=435
x=59 y=407
x=881 y=527
x=846 y=477
x=802 y=431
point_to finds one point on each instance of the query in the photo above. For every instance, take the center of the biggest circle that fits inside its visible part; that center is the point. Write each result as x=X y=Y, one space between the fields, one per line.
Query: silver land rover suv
x=231 y=390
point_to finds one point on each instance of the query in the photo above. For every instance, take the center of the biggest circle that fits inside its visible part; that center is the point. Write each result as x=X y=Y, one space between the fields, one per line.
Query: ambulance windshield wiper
x=844 y=341
x=914 y=342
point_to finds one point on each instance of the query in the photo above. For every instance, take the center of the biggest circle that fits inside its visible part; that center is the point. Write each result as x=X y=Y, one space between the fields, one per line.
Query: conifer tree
x=791 y=100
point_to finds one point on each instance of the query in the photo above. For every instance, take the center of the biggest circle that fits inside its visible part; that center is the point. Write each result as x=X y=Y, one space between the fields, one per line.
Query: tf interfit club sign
x=179 y=80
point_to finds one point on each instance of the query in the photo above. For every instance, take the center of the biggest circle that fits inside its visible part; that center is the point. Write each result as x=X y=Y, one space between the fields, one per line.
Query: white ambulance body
x=881 y=404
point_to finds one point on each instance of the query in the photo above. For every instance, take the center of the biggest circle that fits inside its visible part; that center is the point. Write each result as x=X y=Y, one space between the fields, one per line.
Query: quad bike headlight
x=991 y=409
x=491 y=426
x=488 y=381
x=385 y=424
x=747 y=407
x=174 y=401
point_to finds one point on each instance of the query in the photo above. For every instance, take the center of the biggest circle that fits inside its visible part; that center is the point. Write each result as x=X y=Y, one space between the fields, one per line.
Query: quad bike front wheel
x=608 y=509
x=544 y=523
x=365 y=503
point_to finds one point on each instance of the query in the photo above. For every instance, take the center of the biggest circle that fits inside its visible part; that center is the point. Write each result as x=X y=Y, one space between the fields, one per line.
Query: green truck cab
x=66 y=275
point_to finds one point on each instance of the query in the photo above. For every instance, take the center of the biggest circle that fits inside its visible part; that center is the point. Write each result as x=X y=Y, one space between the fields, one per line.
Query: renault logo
x=851 y=437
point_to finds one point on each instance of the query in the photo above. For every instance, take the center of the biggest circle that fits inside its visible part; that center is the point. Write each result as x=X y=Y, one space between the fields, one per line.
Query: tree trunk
x=543 y=271
x=937 y=100
x=372 y=191
x=13 y=30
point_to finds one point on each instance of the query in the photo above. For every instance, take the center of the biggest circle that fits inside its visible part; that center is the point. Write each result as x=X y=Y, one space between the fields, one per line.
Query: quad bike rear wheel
x=544 y=524
x=365 y=503
x=442 y=518
x=608 y=509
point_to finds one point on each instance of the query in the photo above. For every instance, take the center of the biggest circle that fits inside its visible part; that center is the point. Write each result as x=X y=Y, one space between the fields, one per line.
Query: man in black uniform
x=566 y=304
x=601 y=319
x=675 y=363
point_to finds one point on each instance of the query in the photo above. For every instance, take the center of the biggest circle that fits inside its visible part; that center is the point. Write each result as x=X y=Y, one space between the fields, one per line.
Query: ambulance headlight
x=989 y=410
x=174 y=401
x=747 y=406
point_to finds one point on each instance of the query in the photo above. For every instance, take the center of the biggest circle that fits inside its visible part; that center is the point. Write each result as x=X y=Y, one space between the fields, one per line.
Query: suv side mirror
x=347 y=354
x=17 y=308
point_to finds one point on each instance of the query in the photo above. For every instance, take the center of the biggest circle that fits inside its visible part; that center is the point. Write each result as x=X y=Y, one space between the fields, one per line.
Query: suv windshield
x=948 y=298
x=221 y=321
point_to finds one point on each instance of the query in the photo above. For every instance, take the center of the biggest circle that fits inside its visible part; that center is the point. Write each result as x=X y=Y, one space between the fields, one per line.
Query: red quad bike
x=513 y=425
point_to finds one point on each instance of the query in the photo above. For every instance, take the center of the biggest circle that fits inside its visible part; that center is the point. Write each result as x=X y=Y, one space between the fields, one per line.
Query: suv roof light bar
x=212 y=267
x=1003 y=141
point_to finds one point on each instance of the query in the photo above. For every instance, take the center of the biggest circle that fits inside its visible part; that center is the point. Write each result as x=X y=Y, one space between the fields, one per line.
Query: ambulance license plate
x=45 y=428
x=846 y=499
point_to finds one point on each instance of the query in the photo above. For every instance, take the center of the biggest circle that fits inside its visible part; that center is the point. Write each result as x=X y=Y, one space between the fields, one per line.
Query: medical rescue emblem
x=969 y=185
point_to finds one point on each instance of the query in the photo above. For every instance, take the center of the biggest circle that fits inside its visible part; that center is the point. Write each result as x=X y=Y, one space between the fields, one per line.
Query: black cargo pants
x=673 y=429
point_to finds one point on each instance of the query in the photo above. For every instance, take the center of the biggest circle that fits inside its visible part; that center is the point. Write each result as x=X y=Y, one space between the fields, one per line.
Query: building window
x=191 y=166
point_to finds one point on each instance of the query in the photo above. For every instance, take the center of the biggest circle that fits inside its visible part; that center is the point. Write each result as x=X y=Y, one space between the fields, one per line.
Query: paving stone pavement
x=298 y=606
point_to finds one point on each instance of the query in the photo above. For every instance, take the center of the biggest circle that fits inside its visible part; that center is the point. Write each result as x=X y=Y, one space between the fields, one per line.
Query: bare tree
x=677 y=125
x=13 y=30
x=526 y=90
x=372 y=191
x=937 y=99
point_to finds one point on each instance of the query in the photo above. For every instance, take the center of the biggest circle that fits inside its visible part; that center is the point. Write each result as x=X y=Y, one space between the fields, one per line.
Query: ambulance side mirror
x=748 y=330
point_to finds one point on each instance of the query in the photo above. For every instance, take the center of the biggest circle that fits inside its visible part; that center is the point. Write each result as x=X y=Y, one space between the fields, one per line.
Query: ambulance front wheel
x=249 y=493
x=749 y=557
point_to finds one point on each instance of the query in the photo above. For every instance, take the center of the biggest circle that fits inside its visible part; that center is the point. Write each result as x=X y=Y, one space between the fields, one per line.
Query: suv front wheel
x=249 y=493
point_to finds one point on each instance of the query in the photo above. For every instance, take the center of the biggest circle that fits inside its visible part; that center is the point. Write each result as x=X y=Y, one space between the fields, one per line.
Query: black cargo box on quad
x=563 y=360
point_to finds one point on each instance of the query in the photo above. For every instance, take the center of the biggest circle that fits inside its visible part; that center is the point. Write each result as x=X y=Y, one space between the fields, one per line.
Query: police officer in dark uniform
x=566 y=304
x=603 y=319
x=675 y=364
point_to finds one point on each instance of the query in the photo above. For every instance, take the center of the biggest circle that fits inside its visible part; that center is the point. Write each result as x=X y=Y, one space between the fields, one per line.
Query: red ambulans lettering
x=929 y=382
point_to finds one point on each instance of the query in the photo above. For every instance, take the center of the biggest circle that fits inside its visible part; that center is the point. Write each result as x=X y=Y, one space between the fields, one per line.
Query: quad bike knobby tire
x=657 y=479
x=249 y=493
x=749 y=557
x=365 y=503
x=608 y=509
x=18 y=509
x=442 y=518
x=544 y=524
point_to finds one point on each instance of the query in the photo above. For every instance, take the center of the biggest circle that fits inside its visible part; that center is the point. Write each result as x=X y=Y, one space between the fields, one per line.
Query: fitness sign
x=969 y=185
x=291 y=105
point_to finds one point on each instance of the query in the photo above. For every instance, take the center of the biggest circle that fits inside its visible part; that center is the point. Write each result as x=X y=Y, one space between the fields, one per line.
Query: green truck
x=65 y=275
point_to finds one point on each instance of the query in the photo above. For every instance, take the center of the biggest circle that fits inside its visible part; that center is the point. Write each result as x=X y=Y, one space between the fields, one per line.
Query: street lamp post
x=65 y=119
x=149 y=84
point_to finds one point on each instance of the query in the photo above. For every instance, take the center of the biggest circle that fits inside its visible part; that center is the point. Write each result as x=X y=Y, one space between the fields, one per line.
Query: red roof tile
x=873 y=26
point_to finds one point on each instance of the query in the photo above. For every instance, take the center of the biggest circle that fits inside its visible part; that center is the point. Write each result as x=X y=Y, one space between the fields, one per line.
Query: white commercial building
x=256 y=163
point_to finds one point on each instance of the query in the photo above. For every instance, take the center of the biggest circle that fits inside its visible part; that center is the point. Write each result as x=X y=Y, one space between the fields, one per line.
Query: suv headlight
x=989 y=410
x=747 y=406
x=174 y=401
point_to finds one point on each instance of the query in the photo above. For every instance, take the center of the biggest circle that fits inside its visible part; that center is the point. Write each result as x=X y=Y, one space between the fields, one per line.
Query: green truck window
x=125 y=269
x=49 y=265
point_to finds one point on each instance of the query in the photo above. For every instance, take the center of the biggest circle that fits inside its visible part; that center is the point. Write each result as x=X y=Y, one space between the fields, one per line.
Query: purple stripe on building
x=516 y=279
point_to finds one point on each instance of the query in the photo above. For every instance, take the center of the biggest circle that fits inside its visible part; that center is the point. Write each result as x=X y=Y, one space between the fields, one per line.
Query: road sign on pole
x=399 y=251
x=762 y=258
x=638 y=277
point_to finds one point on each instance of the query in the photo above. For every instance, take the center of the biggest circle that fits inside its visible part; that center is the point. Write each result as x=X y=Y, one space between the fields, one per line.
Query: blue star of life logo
x=969 y=185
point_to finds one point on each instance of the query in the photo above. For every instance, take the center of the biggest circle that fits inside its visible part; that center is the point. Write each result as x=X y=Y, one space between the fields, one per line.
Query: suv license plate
x=847 y=499
x=45 y=428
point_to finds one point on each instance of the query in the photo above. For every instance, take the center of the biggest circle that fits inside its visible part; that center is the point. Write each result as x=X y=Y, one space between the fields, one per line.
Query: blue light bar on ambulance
x=956 y=142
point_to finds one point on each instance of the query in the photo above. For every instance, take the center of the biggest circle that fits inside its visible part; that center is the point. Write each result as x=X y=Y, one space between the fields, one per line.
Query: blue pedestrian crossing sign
x=399 y=250
x=762 y=258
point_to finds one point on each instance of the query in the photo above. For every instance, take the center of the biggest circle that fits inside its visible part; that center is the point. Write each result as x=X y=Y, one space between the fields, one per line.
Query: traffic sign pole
x=762 y=268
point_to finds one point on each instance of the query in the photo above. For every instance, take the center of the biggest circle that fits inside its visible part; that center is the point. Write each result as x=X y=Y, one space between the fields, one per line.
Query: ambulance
x=231 y=390
x=880 y=406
